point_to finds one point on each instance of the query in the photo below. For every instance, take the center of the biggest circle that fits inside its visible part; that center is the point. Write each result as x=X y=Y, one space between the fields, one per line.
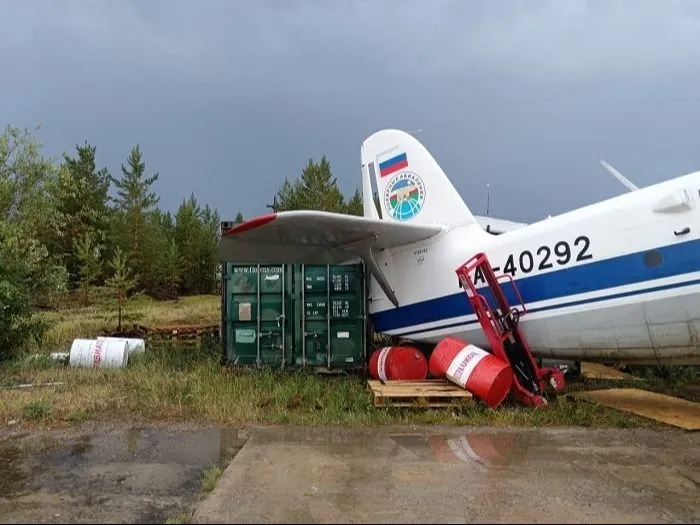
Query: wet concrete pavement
x=430 y=475
x=317 y=475
x=107 y=476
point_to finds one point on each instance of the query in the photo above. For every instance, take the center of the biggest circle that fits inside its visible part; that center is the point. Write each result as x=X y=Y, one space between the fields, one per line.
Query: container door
x=332 y=320
x=314 y=316
x=257 y=322
x=347 y=316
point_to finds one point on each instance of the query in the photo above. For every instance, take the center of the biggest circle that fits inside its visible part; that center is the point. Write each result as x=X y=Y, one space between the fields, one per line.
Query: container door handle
x=279 y=320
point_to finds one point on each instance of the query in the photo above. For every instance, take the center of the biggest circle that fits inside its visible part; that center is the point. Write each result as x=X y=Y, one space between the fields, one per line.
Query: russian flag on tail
x=393 y=164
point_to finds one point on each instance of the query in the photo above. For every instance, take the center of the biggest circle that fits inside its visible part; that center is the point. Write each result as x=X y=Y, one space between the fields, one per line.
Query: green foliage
x=37 y=410
x=30 y=274
x=122 y=281
x=135 y=200
x=81 y=196
x=317 y=189
x=26 y=182
x=354 y=205
x=20 y=259
x=210 y=477
x=89 y=264
x=71 y=225
x=161 y=272
x=197 y=235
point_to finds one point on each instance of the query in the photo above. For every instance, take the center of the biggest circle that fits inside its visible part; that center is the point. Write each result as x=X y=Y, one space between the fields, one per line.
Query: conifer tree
x=89 y=264
x=122 y=281
x=136 y=199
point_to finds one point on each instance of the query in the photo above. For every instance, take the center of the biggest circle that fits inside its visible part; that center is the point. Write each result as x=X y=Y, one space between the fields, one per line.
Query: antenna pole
x=488 y=199
x=274 y=206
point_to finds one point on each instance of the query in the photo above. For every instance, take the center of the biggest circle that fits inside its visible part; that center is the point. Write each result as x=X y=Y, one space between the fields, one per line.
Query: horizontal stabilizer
x=315 y=237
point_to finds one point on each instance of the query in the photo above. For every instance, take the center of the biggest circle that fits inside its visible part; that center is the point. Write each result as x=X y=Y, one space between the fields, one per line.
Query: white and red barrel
x=477 y=371
x=398 y=363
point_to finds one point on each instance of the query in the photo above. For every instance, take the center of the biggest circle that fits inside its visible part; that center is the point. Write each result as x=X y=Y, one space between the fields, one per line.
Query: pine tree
x=81 y=195
x=122 y=281
x=89 y=264
x=239 y=218
x=316 y=189
x=155 y=277
x=354 y=206
x=172 y=270
x=286 y=197
x=135 y=198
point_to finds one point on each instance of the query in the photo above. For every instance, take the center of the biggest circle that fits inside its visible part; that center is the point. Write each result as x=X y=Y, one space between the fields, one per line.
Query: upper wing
x=314 y=237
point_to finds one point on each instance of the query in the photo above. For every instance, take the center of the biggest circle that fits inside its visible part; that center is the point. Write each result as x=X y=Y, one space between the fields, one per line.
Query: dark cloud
x=228 y=98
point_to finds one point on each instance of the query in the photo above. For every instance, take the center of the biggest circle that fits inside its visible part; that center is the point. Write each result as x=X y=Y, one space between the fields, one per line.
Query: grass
x=210 y=477
x=76 y=322
x=176 y=384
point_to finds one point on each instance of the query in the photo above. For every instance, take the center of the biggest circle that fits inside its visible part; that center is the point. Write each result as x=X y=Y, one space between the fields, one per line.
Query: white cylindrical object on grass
x=134 y=344
x=99 y=353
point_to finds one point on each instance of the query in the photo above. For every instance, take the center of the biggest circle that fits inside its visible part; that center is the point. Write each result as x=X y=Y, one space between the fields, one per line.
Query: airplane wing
x=315 y=237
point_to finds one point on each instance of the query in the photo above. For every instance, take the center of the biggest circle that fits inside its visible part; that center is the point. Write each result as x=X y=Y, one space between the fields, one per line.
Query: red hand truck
x=500 y=323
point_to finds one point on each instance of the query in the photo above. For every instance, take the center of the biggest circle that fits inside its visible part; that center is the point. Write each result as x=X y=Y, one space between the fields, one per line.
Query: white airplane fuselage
x=618 y=280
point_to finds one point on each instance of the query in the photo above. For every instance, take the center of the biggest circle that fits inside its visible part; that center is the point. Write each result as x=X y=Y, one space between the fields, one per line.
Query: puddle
x=127 y=476
x=471 y=448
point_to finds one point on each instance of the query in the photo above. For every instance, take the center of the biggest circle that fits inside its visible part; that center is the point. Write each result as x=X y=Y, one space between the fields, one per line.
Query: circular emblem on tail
x=404 y=196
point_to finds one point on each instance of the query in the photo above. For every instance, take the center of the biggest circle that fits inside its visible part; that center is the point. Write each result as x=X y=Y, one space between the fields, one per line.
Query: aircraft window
x=653 y=258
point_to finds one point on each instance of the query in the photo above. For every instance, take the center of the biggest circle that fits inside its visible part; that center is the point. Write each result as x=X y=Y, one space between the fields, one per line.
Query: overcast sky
x=228 y=97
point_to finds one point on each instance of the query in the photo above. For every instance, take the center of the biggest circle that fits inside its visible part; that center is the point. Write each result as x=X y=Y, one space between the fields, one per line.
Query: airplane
x=614 y=281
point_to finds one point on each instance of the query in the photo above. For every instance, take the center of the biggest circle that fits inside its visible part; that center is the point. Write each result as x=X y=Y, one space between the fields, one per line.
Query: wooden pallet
x=428 y=393
x=190 y=335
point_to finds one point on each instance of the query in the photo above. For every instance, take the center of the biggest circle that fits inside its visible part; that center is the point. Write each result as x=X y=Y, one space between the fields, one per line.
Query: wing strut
x=365 y=250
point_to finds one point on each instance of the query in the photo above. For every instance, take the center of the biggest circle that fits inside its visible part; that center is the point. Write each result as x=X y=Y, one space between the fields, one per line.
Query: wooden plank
x=417 y=388
x=397 y=404
x=429 y=393
x=599 y=371
x=659 y=407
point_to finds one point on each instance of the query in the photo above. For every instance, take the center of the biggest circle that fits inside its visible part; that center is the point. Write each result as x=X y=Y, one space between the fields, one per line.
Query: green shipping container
x=255 y=303
x=295 y=315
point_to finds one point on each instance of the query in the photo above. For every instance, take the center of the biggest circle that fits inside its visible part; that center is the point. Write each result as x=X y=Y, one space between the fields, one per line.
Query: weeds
x=36 y=410
x=210 y=476
x=169 y=383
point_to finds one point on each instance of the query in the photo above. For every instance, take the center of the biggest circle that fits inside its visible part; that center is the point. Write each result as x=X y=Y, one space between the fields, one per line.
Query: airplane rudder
x=413 y=187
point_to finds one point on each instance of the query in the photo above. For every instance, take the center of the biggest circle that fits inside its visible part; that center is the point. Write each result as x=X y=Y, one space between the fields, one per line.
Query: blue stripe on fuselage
x=677 y=259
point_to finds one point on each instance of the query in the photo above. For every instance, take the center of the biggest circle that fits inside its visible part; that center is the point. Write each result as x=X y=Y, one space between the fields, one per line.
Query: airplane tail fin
x=411 y=187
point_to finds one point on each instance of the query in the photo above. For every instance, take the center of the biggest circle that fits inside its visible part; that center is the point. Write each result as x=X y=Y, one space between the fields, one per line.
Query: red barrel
x=474 y=369
x=398 y=362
